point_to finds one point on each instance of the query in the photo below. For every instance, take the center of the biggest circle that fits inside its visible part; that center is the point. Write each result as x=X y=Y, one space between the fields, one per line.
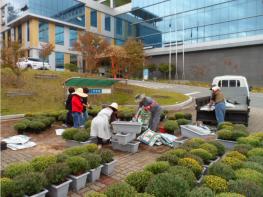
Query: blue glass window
x=19 y=32
x=107 y=23
x=43 y=32
x=119 y=26
x=93 y=18
x=60 y=35
x=28 y=31
x=73 y=59
x=59 y=60
x=119 y=42
x=73 y=36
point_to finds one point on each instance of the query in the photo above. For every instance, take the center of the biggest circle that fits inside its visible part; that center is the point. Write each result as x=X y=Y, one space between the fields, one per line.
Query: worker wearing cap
x=150 y=105
x=100 y=125
x=219 y=100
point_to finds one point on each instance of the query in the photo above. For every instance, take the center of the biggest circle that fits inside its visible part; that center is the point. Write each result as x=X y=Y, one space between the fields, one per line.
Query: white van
x=33 y=63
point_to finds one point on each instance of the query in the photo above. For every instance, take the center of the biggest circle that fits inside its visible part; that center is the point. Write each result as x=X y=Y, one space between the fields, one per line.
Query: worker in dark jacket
x=69 y=121
x=219 y=100
x=85 y=106
x=150 y=105
x=77 y=106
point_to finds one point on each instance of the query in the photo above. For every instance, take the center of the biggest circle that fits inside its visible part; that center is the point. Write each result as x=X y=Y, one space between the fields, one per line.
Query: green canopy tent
x=89 y=82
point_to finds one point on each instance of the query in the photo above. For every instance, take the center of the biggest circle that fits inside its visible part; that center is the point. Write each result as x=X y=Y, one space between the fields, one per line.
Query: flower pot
x=192 y=131
x=126 y=127
x=108 y=168
x=94 y=174
x=227 y=143
x=40 y=194
x=78 y=182
x=211 y=162
x=70 y=143
x=59 y=190
x=131 y=147
x=124 y=138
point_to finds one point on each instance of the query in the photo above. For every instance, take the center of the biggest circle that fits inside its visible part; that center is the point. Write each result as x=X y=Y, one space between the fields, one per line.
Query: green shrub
x=91 y=148
x=201 y=192
x=62 y=116
x=143 y=195
x=41 y=163
x=20 y=127
x=171 y=118
x=94 y=111
x=163 y=185
x=224 y=124
x=233 y=162
x=251 y=175
x=172 y=159
x=157 y=167
x=106 y=156
x=188 y=116
x=61 y=157
x=205 y=155
x=36 y=126
x=195 y=157
x=81 y=136
x=191 y=164
x=228 y=194
x=239 y=133
x=257 y=159
x=94 y=160
x=255 y=152
x=227 y=127
x=183 y=121
x=179 y=115
x=222 y=170
x=69 y=133
x=242 y=148
x=258 y=135
x=225 y=134
x=240 y=127
x=216 y=183
x=71 y=67
x=16 y=169
x=171 y=126
x=194 y=142
x=77 y=165
x=120 y=189
x=57 y=173
x=74 y=151
x=253 y=165
x=251 y=140
x=212 y=149
x=184 y=173
x=95 y=194
x=236 y=155
x=139 y=180
x=87 y=124
x=30 y=183
x=220 y=147
x=26 y=122
x=7 y=187
x=179 y=152
x=246 y=188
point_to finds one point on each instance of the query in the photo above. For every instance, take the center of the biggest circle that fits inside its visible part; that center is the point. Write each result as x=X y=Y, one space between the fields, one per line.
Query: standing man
x=150 y=105
x=219 y=100
x=77 y=106
x=85 y=106
x=69 y=107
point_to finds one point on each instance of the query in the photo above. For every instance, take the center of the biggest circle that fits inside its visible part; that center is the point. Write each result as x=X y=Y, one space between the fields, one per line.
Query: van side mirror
x=250 y=88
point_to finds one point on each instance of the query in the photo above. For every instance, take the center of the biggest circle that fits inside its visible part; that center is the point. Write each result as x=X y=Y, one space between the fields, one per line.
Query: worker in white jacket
x=100 y=125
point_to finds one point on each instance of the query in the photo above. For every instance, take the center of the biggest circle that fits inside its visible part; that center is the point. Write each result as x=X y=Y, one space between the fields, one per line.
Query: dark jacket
x=69 y=102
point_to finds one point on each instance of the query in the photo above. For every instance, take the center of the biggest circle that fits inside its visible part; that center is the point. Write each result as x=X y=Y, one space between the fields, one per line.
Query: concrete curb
x=10 y=117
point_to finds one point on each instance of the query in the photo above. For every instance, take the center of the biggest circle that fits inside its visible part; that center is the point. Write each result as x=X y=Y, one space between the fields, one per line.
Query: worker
x=100 y=125
x=218 y=100
x=77 y=107
x=150 y=105
x=69 y=107
x=85 y=106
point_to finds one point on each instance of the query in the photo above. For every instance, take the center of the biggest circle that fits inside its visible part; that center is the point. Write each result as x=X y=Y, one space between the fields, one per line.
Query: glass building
x=159 y=22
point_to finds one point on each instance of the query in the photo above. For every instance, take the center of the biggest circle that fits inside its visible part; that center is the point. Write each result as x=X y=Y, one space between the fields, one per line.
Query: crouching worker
x=100 y=125
x=150 y=105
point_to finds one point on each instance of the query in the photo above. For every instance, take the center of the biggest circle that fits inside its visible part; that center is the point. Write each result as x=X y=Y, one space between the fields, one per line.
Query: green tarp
x=89 y=82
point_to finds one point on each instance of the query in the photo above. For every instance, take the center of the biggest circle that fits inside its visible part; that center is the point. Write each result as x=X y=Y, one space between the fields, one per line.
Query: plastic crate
x=124 y=138
x=131 y=147
x=190 y=131
x=126 y=127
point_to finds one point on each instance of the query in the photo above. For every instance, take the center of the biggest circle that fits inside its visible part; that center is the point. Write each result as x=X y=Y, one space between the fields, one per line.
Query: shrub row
x=229 y=131
x=80 y=135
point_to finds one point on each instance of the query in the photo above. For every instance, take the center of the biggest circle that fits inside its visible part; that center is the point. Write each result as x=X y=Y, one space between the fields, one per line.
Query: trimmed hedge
x=157 y=167
x=172 y=159
x=16 y=169
x=139 y=180
x=120 y=189
x=220 y=147
x=192 y=165
x=246 y=188
x=251 y=175
x=222 y=170
x=205 y=155
x=185 y=173
x=216 y=183
x=201 y=192
x=171 y=126
x=41 y=163
x=7 y=187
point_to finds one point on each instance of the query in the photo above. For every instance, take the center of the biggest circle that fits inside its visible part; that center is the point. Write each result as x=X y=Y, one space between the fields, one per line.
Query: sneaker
x=64 y=125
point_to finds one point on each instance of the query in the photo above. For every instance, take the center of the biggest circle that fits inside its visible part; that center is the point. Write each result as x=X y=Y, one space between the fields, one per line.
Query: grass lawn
x=49 y=94
x=117 y=2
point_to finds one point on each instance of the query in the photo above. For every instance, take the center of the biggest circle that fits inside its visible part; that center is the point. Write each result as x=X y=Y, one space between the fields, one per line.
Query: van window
x=238 y=83
x=232 y=83
x=219 y=83
x=224 y=83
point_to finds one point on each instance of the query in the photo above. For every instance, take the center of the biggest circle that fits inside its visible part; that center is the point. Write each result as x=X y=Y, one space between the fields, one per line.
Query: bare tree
x=45 y=51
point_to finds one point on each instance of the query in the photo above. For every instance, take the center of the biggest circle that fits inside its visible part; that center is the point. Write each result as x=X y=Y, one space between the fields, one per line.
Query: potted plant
x=76 y=137
x=108 y=162
x=94 y=161
x=7 y=186
x=78 y=172
x=57 y=179
x=30 y=184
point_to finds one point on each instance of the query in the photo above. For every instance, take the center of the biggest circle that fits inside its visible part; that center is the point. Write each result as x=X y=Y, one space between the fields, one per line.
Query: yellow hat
x=80 y=92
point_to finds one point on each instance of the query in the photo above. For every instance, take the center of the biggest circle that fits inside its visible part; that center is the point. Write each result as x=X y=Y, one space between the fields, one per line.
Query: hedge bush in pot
x=194 y=142
x=185 y=173
x=205 y=155
x=157 y=167
x=255 y=152
x=253 y=165
x=239 y=133
x=95 y=194
x=77 y=165
x=242 y=148
x=172 y=159
x=179 y=152
x=171 y=126
x=61 y=157
x=57 y=173
x=163 y=185
x=74 y=151
x=94 y=160
x=120 y=189
x=225 y=134
x=91 y=148
x=106 y=156
x=246 y=188
x=257 y=159
x=212 y=149
x=222 y=170
x=16 y=169
x=233 y=162
x=251 y=140
x=220 y=147
x=7 y=187
x=81 y=136
x=192 y=165
x=201 y=192
x=251 y=175
x=139 y=180
x=195 y=157
x=20 y=127
x=41 y=163
x=179 y=115
x=228 y=194
x=69 y=133
x=236 y=155
x=216 y=183
x=221 y=125
x=182 y=121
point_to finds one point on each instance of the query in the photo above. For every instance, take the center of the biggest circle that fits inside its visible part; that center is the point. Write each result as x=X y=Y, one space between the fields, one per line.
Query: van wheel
x=29 y=66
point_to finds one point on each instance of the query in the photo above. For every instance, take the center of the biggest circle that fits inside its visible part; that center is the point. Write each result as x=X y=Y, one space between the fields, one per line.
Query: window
x=73 y=59
x=43 y=32
x=118 y=26
x=93 y=18
x=73 y=36
x=19 y=32
x=224 y=83
x=119 y=42
x=60 y=35
x=59 y=60
x=107 y=23
x=232 y=83
x=28 y=31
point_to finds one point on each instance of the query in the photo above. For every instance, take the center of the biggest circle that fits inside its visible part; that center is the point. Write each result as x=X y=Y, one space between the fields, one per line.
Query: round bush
x=94 y=160
x=77 y=165
x=106 y=156
x=37 y=126
x=139 y=180
x=225 y=134
x=179 y=115
x=228 y=194
x=95 y=194
x=30 y=183
x=74 y=151
x=172 y=159
x=182 y=121
x=220 y=147
x=236 y=155
x=258 y=135
x=242 y=148
x=26 y=122
x=253 y=166
x=255 y=152
x=57 y=173
x=224 y=124
x=240 y=127
x=222 y=170
x=184 y=173
x=239 y=133
x=246 y=188
x=227 y=127
x=194 y=142
x=20 y=127
x=257 y=159
x=87 y=124
x=201 y=192
x=62 y=117
x=62 y=157
x=171 y=126
x=120 y=189
x=205 y=155
x=16 y=169
x=216 y=183
x=251 y=140
x=91 y=148
x=7 y=187
x=195 y=157
x=212 y=149
x=251 y=175
x=233 y=162
x=163 y=185
x=143 y=195
x=41 y=163
x=188 y=116
x=81 y=136
x=69 y=133
x=192 y=165
x=179 y=152
x=157 y=167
